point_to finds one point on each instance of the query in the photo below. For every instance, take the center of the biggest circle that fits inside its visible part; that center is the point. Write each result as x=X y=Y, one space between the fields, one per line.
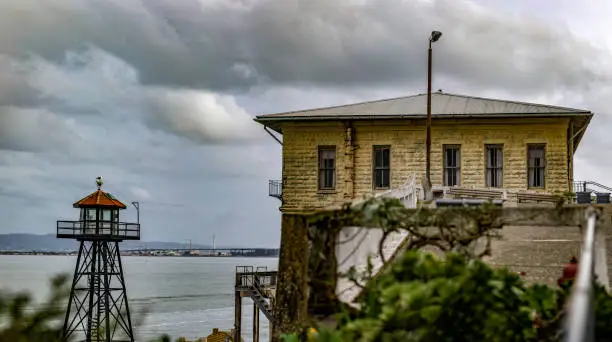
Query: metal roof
x=443 y=105
x=99 y=198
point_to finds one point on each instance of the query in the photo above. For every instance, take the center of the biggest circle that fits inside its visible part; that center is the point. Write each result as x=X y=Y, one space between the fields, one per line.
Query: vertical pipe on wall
x=349 y=161
x=570 y=156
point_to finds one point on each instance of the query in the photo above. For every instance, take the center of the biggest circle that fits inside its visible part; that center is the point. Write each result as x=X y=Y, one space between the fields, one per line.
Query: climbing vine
x=468 y=231
x=454 y=296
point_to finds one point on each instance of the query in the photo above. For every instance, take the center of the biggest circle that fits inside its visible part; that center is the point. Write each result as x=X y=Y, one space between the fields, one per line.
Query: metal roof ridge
x=339 y=106
x=561 y=108
x=513 y=101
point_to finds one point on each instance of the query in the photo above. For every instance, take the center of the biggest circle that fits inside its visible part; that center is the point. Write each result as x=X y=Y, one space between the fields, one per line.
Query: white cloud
x=37 y=129
x=94 y=81
x=140 y=193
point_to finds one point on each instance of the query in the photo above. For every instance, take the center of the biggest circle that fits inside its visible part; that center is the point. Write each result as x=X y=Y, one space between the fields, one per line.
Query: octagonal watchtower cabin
x=98 y=220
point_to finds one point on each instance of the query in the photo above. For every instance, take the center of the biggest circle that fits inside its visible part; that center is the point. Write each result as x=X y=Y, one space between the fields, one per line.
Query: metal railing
x=579 y=326
x=275 y=188
x=98 y=230
x=245 y=277
x=588 y=186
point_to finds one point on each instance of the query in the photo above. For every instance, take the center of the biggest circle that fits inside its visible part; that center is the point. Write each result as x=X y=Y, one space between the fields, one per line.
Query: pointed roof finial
x=99 y=182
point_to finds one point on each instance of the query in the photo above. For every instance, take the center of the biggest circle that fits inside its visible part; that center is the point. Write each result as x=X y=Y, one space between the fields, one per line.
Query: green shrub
x=422 y=298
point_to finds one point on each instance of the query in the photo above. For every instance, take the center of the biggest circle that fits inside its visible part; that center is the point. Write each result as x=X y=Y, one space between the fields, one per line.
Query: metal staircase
x=258 y=298
x=96 y=316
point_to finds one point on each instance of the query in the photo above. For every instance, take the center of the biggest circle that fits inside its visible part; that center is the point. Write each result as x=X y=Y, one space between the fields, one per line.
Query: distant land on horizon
x=50 y=243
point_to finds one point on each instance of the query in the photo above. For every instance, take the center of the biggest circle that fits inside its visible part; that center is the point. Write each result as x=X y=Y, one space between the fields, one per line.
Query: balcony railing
x=98 y=230
x=591 y=192
x=275 y=188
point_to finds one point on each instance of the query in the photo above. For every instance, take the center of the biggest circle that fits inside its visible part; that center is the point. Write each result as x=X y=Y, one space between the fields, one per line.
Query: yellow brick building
x=335 y=154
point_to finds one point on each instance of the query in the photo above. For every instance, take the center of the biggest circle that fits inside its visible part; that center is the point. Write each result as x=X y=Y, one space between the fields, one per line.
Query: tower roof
x=99 y=198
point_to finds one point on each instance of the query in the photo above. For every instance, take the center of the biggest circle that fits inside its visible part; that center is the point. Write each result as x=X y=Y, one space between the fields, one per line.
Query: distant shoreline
x=140 y=255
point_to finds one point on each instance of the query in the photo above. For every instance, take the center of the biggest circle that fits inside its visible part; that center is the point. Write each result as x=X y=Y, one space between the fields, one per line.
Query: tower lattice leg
x=98 y=308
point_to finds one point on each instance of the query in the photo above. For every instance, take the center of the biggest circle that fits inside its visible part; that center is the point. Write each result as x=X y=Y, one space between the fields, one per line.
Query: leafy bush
x=20 y=321
x=422 y=298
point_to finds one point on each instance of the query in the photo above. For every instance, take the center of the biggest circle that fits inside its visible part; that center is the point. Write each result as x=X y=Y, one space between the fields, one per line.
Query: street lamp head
x=435 y=35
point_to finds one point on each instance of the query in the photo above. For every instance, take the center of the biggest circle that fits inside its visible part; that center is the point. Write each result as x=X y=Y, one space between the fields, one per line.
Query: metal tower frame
x=98 y=309
x=98 y=306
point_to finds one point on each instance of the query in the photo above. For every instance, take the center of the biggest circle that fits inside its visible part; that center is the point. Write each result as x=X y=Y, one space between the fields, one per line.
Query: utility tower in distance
x=98 y=308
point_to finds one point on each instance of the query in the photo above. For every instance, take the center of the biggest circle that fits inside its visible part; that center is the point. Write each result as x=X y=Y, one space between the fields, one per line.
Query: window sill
x=327 y=191
x=382 y=189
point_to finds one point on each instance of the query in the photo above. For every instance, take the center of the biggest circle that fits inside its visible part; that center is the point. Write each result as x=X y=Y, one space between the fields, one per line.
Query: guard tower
x=98 y=307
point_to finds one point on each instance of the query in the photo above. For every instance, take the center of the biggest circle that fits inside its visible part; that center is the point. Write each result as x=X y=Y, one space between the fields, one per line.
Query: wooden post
x=237 y=316
x=291 y=305
x=255 y=323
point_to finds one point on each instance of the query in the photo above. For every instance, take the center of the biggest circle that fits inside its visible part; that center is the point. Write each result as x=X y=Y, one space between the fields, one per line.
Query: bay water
x=182 y=296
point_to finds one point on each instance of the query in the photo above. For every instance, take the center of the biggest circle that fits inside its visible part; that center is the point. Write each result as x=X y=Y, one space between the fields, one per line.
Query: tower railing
x=98 y=229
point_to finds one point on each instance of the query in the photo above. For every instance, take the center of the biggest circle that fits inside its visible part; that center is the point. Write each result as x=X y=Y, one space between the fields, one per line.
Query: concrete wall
x=407 y=141
x=542 y=252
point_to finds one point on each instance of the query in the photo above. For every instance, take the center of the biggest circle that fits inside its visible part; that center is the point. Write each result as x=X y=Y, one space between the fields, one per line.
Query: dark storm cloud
x=149 y=93
x=222 y=45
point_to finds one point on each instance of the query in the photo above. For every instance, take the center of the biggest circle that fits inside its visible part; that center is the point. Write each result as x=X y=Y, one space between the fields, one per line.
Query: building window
x=452 y=165
x=327 y=168
x=382 y=167
x=536 y=163
x=495 y=161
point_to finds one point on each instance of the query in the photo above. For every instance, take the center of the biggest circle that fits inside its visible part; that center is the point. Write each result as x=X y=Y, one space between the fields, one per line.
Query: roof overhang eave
x=115 y=206
x=267 y=120
x=585 y=125
x=274 y=125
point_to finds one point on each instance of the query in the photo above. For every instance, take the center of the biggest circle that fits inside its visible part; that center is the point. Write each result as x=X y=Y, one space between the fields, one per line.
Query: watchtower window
x=106 y=215
x=90 y=214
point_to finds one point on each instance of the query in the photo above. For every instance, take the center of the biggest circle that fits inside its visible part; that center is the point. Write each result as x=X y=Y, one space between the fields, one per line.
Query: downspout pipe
x=273 y=136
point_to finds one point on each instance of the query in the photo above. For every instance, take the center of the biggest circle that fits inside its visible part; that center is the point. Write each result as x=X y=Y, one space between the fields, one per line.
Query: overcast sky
x=157 y=96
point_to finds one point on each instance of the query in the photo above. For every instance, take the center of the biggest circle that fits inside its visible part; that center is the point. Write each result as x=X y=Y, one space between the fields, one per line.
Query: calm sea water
x=184 y=296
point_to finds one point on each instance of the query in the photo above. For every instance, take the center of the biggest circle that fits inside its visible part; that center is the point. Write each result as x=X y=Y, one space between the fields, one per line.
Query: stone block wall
x=407 y=143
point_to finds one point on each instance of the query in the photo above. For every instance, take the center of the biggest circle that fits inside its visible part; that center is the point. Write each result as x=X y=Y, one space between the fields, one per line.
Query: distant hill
x=49 y=243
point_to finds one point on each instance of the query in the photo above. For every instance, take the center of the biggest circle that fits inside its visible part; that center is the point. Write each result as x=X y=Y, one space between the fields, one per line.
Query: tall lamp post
x=435 y=35
x=137 y=206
